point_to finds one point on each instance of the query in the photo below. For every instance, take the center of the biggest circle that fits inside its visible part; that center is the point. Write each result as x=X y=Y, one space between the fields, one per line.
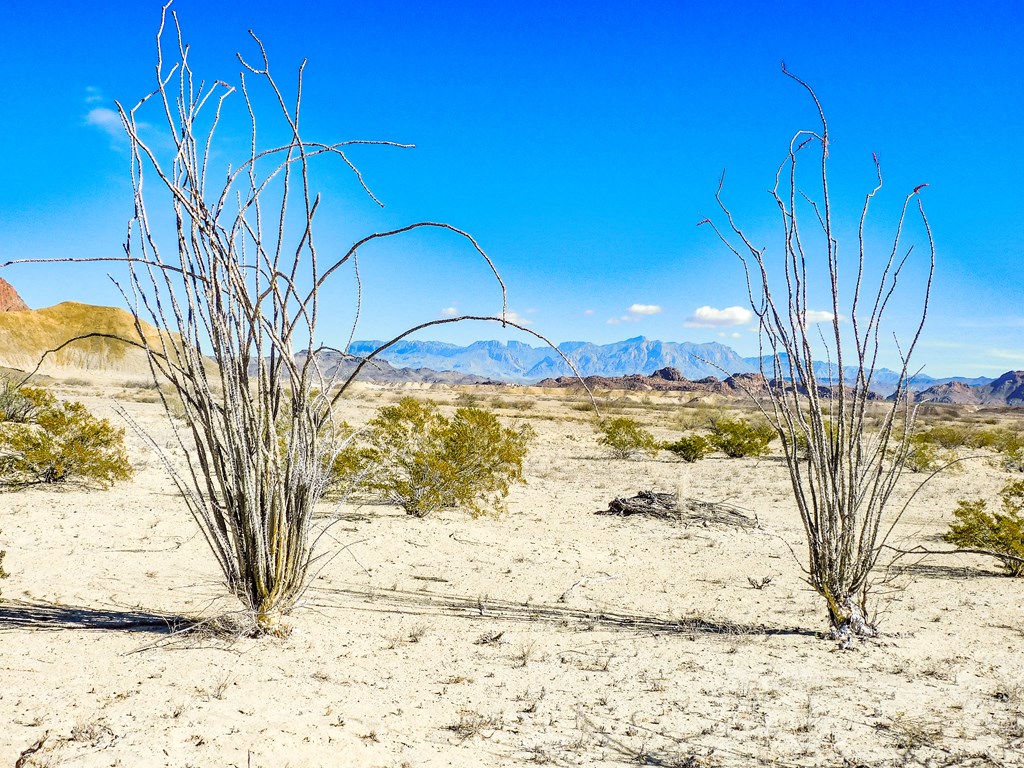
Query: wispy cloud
x=1015 y=355
x=1009 y=321
x=709 y=317
x=588 y=312
x=107 y=120
x=449 y=312
x=93 y=95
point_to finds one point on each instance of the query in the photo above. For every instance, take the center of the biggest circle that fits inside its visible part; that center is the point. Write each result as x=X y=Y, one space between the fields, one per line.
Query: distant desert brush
x=690 y=448
x=58 y=441
x=415 y=457
x=738 y=438
x=625 y=437
x=1001 y=534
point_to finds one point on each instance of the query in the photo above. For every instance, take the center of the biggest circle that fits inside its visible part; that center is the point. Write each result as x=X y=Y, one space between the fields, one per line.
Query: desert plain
x=546 y=635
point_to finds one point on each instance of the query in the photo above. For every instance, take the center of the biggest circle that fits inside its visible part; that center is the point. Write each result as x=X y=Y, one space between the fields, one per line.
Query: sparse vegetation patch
x=59 y=441
x=625 y=437
x=415 y=457
x=1001 y=533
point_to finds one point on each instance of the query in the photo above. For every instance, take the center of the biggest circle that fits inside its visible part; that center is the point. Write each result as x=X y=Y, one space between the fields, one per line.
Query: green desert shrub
x=690 y=448
x=922 y=455
x=413 y=456
x=16 y=404
x=625 y=437
x=925 y=453
x=1001 y=533
x=61 y=442
x=738 y=438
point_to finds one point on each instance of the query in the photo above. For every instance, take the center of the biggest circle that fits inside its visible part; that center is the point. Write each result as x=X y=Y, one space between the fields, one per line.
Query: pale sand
x=387 y=664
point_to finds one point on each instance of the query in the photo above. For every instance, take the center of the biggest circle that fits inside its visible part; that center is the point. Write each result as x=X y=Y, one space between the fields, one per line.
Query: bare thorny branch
x=236 y=301
x=845 y=478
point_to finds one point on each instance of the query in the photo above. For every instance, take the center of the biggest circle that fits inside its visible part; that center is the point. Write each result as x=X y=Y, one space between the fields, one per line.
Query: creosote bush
x=1001 y=533
x=60 y=442
x=415 y=457
x=690 y=448
x=625 y=437
x=737 y=438
x=16 y=405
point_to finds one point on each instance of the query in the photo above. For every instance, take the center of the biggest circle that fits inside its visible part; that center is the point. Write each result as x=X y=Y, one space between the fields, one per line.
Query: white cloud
x=449 y=312
x=645 y=309
x=107 y=120
x=709 y=317
x=623 y=319
x=514 y=317
x=93 y=95
x=588 y=312
x=818 y=316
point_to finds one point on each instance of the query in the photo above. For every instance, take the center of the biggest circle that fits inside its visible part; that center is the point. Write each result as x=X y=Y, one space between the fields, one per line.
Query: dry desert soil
x=548 y=635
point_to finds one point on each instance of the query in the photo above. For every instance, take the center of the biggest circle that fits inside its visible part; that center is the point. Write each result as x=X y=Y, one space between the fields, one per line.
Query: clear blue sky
x=580 y=142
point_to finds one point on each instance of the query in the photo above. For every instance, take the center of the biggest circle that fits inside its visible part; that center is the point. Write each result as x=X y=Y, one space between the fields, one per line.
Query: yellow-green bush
x=947 y=436
x=16 y=404
x=625 y=437
x=737 y=438
x=61 y=442
x=690 y=448
x=1001 y=533
x=923 y=456
x=414 y=456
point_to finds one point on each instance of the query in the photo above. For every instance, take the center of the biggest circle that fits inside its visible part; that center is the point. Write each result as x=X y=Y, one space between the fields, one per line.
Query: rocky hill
x=26 y=335
x=10 y=301
x=1008 y=389
x=671 y=380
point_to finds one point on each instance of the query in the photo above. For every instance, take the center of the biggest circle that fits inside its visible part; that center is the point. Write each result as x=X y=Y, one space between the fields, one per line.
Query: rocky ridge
x=10 y=301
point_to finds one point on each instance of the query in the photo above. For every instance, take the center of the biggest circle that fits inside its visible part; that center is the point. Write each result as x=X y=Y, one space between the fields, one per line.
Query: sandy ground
x=549 y=635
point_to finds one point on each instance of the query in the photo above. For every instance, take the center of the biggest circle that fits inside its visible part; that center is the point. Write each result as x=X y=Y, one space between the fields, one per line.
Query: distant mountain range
x=515 y=361
x=519 y=362
x=25 y=334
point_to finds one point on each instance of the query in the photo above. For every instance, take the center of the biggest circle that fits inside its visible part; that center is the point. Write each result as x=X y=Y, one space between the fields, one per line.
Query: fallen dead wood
x=667 y=506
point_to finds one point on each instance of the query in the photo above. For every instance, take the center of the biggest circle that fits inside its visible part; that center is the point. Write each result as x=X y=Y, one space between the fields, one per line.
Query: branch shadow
x=423 y=601
x=16 y=614
x=941 y=571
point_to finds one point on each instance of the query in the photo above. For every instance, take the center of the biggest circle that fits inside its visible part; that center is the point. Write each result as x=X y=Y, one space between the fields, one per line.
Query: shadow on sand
x=424 y=602
x=15 y=614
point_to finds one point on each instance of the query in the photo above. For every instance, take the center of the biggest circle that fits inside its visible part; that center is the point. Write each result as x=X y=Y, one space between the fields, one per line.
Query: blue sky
x=580 y=143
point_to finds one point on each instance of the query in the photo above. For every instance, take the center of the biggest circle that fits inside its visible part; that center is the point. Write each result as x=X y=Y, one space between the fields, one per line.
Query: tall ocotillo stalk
x=843 y=474
x=237 y=300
